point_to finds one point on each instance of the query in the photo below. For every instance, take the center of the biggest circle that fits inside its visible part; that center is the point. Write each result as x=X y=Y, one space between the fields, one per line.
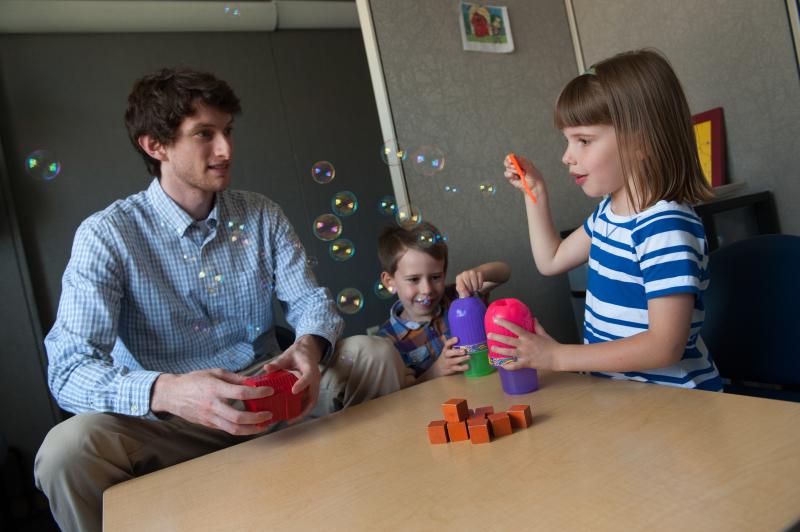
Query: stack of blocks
x=479 y=426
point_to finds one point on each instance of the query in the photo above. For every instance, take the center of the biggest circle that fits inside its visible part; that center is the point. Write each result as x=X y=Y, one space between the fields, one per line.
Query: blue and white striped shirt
x=657 y=252
x=148 y=290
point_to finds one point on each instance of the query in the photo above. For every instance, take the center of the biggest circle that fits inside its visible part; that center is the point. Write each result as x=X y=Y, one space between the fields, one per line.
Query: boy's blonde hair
x=639 y=95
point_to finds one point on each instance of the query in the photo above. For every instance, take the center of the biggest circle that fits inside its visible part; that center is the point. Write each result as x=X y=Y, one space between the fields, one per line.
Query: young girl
x=629 y=141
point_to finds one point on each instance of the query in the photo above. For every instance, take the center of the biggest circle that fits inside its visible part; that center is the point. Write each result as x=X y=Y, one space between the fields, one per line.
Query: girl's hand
x=532 y=350
x=531 y=175
x=450 y=361
x=469 y=282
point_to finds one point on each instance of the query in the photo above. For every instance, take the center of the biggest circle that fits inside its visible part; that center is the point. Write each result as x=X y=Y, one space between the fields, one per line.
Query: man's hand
x=450 y=361
x=204 y=397
x=302 y=358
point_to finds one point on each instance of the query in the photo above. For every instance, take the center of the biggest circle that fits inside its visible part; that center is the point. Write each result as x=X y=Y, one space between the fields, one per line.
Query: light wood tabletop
x=601 y=455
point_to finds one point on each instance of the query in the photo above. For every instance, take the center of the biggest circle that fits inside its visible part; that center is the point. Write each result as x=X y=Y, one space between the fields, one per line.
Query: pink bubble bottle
x=519 y=381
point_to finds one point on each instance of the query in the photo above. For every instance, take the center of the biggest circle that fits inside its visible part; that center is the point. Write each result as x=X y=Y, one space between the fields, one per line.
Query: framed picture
x=710 y=136
x=485 y=28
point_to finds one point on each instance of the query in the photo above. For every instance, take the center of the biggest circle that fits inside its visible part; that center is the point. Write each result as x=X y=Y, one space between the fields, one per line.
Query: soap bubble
x=487 y=189
x=323 y=172
x=428 y=160
x=237 y=233
x=387 y=206
x=350 y=300
x=426 y=238
x=392 y=154
x=382 y=291
x=341 y=250
x=344 y=203
x=408 y=217
x=42 y=164
x=327 y=227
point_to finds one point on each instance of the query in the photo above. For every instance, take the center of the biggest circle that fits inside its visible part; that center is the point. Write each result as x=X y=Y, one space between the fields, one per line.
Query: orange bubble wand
x=518 y=168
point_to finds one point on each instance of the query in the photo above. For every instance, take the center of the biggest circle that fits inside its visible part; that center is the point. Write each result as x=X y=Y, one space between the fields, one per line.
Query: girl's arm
x=661 y=345
x=551 y=255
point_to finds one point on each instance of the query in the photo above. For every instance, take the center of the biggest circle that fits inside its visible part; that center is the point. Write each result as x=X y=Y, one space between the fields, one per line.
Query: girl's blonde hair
x=639 y=95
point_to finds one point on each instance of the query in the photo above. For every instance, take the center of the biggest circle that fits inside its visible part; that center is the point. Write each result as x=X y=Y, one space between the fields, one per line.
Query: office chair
x=753 y=315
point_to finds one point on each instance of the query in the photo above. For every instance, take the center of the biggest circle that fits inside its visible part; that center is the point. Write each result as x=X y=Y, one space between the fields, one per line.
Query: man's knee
x=371 y=351
x=66 y=445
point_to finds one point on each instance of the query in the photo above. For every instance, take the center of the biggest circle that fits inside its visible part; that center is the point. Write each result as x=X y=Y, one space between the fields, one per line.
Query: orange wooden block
x=437 y=431
x=455 y=410
x=479 y=430
x=500 y=424
x=521 y=417
x=457 y=430
x=484 y=411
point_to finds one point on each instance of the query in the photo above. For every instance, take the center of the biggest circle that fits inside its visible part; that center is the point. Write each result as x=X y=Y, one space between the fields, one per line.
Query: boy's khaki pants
x=88 y=453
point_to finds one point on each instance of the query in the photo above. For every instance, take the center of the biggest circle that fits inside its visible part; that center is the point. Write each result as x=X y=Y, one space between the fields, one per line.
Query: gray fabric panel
x=477 y=107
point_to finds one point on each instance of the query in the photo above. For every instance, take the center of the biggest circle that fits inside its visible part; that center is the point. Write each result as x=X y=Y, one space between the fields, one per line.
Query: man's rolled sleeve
x=309 y=307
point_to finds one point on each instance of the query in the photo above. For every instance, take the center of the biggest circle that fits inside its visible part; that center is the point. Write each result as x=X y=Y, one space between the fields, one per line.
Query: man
x=165 y=293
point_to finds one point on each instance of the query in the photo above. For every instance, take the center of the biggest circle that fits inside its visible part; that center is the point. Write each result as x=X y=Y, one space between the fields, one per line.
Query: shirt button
x=134 y=409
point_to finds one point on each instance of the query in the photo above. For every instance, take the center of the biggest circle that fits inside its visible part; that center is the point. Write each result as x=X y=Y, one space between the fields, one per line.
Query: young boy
x=415 y=270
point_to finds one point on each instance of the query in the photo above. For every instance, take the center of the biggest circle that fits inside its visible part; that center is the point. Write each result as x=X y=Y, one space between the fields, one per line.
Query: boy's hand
x=469 y=282
x=532 y=175
x=532 y=350
x=450 y=361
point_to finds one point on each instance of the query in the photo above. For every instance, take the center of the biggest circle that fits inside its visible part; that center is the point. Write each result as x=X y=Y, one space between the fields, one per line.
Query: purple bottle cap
x=466 y=321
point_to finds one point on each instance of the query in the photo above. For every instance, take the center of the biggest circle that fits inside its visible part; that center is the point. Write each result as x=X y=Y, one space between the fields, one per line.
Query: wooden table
x=601 y=455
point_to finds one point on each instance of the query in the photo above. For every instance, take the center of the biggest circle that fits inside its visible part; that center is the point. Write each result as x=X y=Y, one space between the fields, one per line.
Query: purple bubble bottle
x=466 y=323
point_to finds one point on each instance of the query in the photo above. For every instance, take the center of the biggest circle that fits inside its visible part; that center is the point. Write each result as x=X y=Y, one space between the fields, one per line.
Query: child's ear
x=152 y=147
x=388 y=282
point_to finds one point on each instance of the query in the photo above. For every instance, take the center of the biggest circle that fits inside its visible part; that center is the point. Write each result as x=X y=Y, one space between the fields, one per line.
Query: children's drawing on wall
x=485 y=28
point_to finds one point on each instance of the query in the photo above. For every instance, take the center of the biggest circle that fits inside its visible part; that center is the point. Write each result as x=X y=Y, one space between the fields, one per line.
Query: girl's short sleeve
x=671 y=248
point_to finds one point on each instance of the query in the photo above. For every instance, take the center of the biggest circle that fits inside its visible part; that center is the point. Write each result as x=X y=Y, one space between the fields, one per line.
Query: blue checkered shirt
x=149 y=290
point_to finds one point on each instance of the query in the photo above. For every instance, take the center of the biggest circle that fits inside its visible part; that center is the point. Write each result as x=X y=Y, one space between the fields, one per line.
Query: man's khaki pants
x=88 y=453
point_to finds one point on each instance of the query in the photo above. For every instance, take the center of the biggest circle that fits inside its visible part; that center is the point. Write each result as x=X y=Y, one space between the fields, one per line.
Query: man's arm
x=309 y=307
x=81 y=373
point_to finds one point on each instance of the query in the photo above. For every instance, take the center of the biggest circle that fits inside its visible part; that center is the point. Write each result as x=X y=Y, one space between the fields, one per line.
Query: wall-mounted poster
x=710 y=137
x=485 y=28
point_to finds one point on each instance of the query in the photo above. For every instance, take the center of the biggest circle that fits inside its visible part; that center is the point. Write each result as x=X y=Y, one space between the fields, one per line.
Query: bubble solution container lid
x=465 y=317
x=282 y=403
